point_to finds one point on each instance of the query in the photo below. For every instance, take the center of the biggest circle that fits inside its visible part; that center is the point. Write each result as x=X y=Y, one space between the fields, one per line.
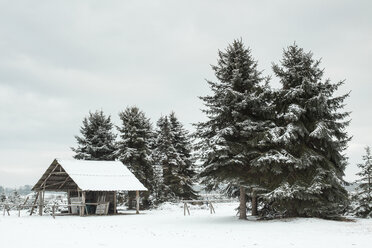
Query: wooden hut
x=91 y=185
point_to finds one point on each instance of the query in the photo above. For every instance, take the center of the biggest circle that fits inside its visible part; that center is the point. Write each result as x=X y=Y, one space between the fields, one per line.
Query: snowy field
x=167 y=227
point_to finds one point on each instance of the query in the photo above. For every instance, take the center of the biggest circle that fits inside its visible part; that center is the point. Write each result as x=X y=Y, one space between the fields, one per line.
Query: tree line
x=283 y=148
x=159 y=157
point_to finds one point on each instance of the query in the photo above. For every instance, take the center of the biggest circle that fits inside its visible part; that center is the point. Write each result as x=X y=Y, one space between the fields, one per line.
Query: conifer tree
x=134 y=147
x=232 y=139
x=363 y=195
x=2 y=197
x=185 y=167
x=311 y=139
x=173 y=155
x=14 y=197
x=166 y=156
x=97 y=141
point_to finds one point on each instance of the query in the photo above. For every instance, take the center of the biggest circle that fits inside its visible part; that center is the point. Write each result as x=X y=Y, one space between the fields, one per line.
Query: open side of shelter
x=91 y=186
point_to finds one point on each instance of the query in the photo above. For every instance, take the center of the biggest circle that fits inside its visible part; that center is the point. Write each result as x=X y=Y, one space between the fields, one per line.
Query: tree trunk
x=243 y=206
x=254 y=203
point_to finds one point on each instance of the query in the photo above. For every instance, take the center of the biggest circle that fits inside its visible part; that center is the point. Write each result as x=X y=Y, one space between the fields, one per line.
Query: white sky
x=60 y=59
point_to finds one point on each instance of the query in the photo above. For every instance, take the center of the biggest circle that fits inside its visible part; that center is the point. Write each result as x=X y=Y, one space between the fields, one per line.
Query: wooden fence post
x=53 y=211
x=186 y=208
x=211 y=208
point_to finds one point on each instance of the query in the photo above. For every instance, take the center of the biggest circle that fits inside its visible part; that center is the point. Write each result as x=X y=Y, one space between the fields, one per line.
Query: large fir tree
x=232 y=139
x=363 y=197
x=311 y=139
x=134 y=147
x=97 y=140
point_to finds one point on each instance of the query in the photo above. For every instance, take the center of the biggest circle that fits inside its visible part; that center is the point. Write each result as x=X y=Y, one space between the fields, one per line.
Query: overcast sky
x=61 y=59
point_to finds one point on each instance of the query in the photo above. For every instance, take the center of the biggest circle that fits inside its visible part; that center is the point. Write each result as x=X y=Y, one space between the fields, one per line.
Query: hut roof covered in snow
x=88 y=175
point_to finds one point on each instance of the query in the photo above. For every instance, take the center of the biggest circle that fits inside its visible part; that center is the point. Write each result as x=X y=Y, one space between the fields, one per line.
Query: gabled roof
x=88 y=175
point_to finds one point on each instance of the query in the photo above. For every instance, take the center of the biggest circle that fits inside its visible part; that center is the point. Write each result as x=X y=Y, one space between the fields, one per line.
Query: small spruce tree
x=14 y=197
x=97 y=140
x=363 y=196
x=2 y=197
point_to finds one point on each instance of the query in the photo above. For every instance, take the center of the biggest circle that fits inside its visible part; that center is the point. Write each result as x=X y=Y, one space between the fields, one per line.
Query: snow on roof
x=101 y=175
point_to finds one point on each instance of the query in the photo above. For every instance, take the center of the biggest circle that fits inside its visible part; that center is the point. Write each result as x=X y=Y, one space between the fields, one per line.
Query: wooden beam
x=53 y=184
x=41 y=203
x=59 y=173
x=115 y=202
x=137 y=199
x=50 y=173
x=82 y=208
x=33 y=205
x=83 y=200
x=64 y=182
x=69 y=200
x=21 y=206
x=79 y=197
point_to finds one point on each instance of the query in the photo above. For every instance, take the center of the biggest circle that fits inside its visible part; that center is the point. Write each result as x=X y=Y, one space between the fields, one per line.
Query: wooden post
x=21 y=206
x=83 y=203
x=53 y=211
x=41 y=202
x=80 y=201
x=187 y=208
x=137 y=199
x=211 y=208
x=115 y=202
x=69 y=201
x=130 y=200
x=6 y=207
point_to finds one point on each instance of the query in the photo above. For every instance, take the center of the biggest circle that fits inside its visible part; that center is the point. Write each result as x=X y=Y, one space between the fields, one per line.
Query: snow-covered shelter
x=91 y=185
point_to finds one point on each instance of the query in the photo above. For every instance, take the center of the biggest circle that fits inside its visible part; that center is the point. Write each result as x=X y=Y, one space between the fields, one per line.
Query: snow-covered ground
x=167 y=227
